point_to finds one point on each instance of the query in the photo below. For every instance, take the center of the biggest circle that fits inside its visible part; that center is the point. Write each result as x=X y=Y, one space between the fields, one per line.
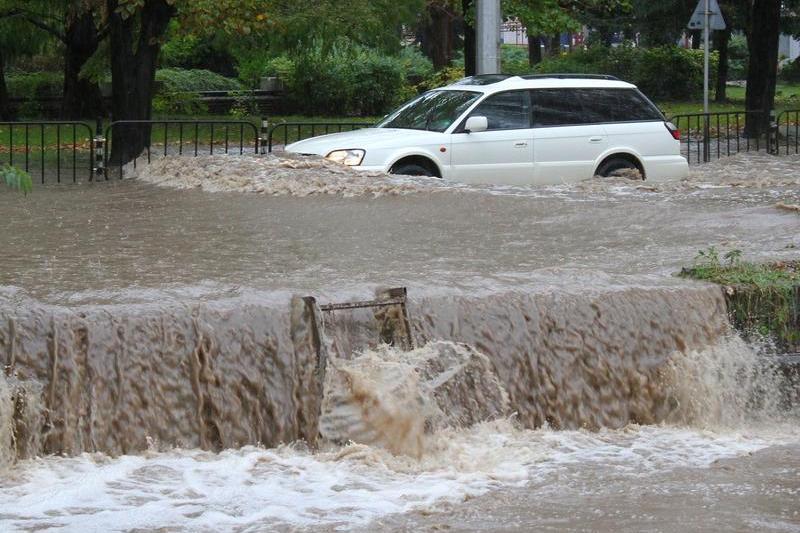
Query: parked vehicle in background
x=544 y=129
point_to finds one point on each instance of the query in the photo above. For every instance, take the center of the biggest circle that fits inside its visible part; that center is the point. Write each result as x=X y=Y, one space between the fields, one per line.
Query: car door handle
x=596 y=139
x=521 y=144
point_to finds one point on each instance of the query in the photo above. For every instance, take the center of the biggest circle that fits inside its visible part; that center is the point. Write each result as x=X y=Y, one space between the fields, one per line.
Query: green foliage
x=515 y=60
x=35 y=84
x=16 y=178
x=416 y=65
x=790 y=72
x=738 y=57
x=345 y=79
x=446 y=76
x=762 y=298
x=195 y=80
x=663 y=73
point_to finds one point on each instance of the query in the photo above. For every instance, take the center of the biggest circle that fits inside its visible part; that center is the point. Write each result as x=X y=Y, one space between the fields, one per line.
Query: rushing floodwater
x=563 y=379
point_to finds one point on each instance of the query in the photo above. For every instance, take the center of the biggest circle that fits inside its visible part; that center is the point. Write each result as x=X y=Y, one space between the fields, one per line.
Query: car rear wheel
x=619 y=167
x=411 y=169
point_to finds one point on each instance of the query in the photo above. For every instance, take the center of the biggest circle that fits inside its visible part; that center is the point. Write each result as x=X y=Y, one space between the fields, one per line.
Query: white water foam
x=255 y=488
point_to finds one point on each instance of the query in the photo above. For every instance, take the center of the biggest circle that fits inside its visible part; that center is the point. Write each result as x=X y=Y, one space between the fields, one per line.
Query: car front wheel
x=411 y=169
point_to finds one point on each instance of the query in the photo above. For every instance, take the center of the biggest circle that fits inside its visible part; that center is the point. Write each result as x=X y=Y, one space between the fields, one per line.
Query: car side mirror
x=476 y=124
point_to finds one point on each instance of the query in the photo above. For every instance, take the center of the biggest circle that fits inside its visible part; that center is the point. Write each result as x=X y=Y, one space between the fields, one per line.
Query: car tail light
x=673 y=130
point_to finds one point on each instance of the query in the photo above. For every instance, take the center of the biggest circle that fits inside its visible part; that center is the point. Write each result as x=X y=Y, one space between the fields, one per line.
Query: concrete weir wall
x=120 y=379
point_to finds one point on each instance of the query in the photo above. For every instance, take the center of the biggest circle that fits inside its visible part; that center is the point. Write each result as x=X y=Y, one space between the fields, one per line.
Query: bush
x=738 y=58
x=35 y=84
x=416 y=65
x=663 y=73
x=195 y=80
x=790 y=72
x=344 y=79
x=515 y=60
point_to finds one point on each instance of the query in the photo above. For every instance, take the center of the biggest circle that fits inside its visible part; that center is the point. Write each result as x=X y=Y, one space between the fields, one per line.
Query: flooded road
x=122 y=240
x=158 y=374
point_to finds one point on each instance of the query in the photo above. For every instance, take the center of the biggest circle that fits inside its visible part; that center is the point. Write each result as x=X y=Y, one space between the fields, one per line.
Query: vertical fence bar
x=196 y=137
x=718 y=140
x=74 y=154
x=58 y=153
x=241 y=140
x=180 y=138
x=27 y=148
x=212 y=139
x=98 y=170
x=42 y=152
x=226 y=139
x=11 y=144
x=166 y=137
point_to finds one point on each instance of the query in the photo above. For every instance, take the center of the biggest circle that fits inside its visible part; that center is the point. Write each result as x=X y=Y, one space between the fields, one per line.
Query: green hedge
x=343 y=79
x=195 y=80
x=663 y=73
x=35 y=84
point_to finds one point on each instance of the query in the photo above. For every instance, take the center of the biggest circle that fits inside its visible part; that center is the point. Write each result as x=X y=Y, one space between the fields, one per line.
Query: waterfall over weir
x=120 y=379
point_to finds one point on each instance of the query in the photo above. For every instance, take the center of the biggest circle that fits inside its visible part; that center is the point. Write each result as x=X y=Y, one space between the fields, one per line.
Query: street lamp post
x=487 y=14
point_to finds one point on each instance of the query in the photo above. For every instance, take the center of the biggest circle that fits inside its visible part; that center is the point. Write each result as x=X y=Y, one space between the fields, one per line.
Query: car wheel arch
x=417 y=159
x=627 y=155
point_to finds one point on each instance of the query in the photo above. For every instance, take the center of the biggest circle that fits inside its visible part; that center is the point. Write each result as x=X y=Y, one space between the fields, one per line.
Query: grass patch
x=763 y=299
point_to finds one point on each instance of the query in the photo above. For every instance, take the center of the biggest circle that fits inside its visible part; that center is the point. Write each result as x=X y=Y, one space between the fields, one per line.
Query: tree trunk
x=82 y=98
x=470 y=49
x=762 y=43
x=723 y=38
x=5 y=104
x=133 y=69
x=437 y=36
x=534 y=50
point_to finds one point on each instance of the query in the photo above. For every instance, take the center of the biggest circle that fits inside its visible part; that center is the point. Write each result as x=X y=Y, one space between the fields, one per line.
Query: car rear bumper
x=666 y=167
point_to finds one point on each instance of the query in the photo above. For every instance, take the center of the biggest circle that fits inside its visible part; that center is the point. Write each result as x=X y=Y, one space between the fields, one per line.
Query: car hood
x=365 y=139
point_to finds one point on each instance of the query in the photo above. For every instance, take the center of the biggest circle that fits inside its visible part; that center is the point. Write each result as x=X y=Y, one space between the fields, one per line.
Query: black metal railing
x=707 y=136
x=57 y=150
x=297 y=131
x=187 y=137
x=787 y=127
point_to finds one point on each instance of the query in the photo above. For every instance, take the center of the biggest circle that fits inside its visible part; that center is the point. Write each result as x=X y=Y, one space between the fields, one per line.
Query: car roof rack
x=482 y=79
x=570 y=77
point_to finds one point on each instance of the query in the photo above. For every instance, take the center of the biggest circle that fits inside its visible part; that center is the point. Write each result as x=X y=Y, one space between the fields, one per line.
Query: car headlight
x=351 y=158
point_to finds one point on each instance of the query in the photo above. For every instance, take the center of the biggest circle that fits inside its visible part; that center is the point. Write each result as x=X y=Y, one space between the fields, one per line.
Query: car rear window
x=573 y=107
x=617 y=105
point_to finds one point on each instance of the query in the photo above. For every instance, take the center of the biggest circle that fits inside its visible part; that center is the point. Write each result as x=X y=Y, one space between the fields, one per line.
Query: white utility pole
x=488 y=15
x=707 y=34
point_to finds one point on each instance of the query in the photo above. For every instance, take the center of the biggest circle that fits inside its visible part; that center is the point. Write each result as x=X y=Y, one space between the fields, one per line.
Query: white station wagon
x=543 y=129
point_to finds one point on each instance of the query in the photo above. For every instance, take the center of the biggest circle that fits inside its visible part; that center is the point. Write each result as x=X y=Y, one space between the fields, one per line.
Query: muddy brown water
x=140 y=315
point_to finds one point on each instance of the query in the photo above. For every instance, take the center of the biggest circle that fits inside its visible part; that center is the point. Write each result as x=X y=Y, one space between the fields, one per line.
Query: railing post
x=99 y=150
x=772 y=134
x=264 y=136
x=706 y=138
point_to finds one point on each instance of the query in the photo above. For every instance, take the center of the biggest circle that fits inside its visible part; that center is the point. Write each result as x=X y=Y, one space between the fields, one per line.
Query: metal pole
x=488 y=36
x=707 y=33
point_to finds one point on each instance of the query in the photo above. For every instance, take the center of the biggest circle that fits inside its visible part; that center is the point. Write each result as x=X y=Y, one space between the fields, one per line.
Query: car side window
x=556 y=107
x=506 y=111
x=617 y=105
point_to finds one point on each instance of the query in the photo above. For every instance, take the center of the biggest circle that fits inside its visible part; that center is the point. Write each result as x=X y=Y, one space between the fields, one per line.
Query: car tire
x=618 y=166
x=411 y=169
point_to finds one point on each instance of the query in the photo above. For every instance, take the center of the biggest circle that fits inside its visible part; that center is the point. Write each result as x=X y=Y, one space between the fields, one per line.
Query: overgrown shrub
x=738 y=57
x=790 y=72
x=663 y=73
x=343 y=79
x=195 y=80
x=35 y=84
x=515 y=60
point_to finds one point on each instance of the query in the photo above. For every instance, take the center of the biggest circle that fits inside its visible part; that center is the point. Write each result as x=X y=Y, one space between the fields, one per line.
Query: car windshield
x=434 y=111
